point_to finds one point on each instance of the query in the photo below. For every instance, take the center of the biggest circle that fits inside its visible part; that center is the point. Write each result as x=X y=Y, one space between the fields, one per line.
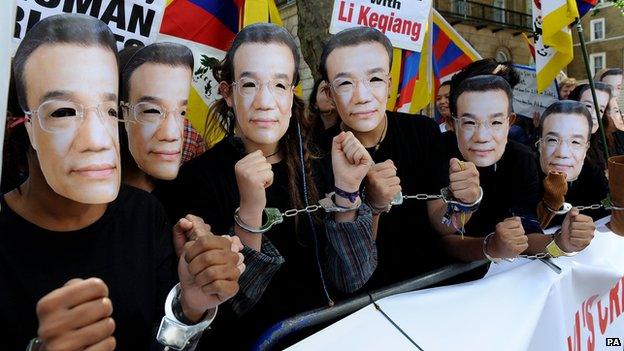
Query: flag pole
x=592 y=86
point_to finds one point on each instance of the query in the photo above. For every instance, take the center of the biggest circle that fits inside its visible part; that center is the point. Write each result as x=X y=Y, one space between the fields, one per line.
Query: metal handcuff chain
x=275 y=216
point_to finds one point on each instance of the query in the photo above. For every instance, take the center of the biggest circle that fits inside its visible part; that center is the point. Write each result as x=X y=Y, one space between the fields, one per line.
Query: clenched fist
x=350 y=161
x=382 y=184
x=209 y=268
x=464 y=181
x=253 y=176
x=77 y=316
x=577 y=232
x=509 y=239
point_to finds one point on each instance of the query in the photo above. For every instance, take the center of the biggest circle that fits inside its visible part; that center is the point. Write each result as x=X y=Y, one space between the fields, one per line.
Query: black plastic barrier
x=306 y=320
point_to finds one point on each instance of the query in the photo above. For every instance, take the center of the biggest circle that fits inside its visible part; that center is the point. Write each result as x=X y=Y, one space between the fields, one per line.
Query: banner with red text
x=403 y=22
x=524 y=305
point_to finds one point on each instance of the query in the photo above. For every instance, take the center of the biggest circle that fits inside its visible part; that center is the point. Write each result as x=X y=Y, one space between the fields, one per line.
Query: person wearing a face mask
x=506 y=224
x=613 y=77
x=408 y=155
x=583 y=94
x=155 y=85
x=565 y=128
x=87 y=264
x=265 y=162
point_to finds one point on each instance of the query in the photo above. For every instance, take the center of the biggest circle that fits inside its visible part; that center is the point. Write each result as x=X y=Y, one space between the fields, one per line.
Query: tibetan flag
x=208 y=28
x=444 y=53
x=554 y=39
x=212 y=23
x=585 y=5
x=451 y=52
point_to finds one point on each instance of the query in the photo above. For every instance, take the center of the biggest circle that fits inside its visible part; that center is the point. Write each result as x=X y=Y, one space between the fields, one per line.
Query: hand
x=555 y=189
x=209 y=269
x=77 y=317
x=382 y=184
x=577 y=232
x=350 y=162
x=508 y=240
x=253 y=175
x=464 y=181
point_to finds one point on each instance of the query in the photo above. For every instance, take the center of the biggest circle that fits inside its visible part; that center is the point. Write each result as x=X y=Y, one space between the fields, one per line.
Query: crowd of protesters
x=121 y=230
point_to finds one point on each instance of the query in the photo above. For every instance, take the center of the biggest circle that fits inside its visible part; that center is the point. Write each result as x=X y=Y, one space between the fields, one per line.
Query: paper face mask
x=73 y=125
x=158 y=100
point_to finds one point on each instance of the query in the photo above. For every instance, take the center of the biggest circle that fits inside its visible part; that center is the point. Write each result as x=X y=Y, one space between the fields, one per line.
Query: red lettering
x=577 y=334
x=602 y=320
x=342 y=17
x=363 y=17
x=589 y=318
x=372 y=20
x=614 y=303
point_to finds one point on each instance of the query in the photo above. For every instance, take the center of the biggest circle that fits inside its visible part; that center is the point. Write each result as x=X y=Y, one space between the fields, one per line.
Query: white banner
x=132 y=21
x=526 y=99
x=404 y=22
x=524 y=305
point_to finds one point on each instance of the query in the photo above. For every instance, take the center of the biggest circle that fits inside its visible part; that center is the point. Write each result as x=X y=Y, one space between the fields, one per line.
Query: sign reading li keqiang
x=404 y=22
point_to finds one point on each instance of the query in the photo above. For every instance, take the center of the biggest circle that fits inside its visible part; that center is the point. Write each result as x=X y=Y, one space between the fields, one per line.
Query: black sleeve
x=527 y=193
x=436 y=163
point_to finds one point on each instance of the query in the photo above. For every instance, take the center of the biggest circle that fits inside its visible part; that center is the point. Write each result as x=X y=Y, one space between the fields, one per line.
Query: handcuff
x=273 y=216
x=606 y=203
x=173 y=333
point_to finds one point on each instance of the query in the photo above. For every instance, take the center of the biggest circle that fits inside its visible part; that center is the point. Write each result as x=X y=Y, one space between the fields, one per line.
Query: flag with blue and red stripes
x=444 y=53
x=210 y=22
x=585 y=5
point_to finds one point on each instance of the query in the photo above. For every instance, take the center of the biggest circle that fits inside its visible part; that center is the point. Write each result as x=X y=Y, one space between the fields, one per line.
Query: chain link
x=591 y=207
x=536 y=256
x=422 y=197
x=293 y=212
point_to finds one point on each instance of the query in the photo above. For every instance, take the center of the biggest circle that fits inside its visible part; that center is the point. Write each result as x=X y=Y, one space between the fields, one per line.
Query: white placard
x=526 y=99
x=404 y=22
x=132 y=21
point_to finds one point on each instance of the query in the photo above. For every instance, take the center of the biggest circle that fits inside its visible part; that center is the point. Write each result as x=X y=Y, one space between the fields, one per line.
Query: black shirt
x=206 y=186
x=407 y=244
x=590 y=188
x=510 y=188
x=129 y=248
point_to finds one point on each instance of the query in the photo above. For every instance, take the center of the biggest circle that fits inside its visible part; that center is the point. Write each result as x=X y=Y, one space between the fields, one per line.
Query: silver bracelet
x=329 y=205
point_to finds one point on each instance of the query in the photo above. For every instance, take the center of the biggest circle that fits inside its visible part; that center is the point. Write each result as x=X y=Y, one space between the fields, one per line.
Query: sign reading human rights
x=132 y=21
x=403 y=22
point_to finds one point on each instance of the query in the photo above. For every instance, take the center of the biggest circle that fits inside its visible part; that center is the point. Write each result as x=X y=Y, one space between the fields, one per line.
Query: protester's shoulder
x=592 y=174
x=131 y=199
x=520 y=152
x=220 y=156
x=413 y=120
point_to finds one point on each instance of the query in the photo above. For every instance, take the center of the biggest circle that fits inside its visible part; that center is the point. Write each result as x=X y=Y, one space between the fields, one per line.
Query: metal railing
x=483 y=14
x=272 y=337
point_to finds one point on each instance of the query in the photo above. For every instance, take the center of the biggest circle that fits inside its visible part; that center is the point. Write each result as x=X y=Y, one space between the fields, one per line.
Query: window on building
x=597 y=61
x=498 y=13
x=597 y=29
x=461 y=7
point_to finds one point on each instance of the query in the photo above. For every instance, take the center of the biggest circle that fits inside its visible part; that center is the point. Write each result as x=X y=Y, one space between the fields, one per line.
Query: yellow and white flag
x=553 y=38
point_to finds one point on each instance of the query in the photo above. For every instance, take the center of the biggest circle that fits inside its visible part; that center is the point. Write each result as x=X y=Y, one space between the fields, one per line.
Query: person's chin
x=165 y=170
x=363 y=125
x=482 y=158
x=91 y=193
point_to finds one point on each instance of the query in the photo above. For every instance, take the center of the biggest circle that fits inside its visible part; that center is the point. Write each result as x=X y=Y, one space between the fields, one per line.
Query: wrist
x=190 y=313
x=558 y=239
x=346 y=186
